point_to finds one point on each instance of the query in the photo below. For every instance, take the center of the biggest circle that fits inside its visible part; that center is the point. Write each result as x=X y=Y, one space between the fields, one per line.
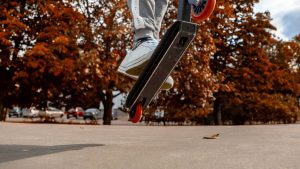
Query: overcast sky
x=285 y=14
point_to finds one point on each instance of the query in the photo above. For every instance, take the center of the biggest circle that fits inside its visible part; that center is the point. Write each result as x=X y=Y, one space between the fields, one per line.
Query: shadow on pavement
x=18 y=152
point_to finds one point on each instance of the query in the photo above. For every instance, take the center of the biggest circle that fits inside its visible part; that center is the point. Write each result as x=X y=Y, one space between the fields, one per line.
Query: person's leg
x=143 y=14
x=160 y=10
x=147 y=17
x=146 y=27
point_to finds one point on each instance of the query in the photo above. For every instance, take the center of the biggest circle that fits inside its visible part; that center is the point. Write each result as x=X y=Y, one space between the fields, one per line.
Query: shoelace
x=140 y=41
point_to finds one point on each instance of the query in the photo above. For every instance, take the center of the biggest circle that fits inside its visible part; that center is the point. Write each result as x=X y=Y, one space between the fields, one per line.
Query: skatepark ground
x=127 y=146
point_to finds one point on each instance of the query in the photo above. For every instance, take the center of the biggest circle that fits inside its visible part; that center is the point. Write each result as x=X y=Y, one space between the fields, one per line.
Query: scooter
x=166 y=55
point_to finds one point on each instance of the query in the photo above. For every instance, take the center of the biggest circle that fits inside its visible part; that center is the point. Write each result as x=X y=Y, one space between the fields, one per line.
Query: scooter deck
x=163 y=60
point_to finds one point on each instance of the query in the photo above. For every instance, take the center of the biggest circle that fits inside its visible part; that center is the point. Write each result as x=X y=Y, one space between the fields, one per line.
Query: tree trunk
x=2 y=112
x=107 y=104
x=217 y=112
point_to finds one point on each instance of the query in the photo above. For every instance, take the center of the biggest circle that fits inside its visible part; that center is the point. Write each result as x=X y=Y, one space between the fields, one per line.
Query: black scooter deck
x=163 y=60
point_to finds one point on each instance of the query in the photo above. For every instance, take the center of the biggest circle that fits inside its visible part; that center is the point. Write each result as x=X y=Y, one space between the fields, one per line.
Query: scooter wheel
x=136 y=114
x=203 y=10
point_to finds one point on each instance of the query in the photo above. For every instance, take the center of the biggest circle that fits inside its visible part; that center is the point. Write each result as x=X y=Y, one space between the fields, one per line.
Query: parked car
x=71 y=113
x=15 y=112
x=92 y=114
x=30 y=113
x=77 y=112
x=41 y=113
x=159 y=114
x=52 y=112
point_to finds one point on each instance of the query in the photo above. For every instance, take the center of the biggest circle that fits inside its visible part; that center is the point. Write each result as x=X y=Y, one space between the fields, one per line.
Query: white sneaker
x=136 y=59
x=167 y=85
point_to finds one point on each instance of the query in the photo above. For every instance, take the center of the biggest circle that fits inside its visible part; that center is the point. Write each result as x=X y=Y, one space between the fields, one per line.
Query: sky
x=285 y=15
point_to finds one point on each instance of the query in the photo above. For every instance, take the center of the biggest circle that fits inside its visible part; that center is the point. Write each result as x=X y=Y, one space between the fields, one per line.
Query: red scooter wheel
x=137 y=114
x=203 y=10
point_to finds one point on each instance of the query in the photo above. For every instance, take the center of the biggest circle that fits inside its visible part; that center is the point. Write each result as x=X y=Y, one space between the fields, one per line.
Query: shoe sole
x=165 y=86
x=136 y=70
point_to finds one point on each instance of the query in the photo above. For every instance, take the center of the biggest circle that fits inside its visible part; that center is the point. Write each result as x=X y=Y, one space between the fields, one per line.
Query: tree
x=244 y=51
x=109 y=32
x=11 y=30
x=49 y=51
x=66 y=52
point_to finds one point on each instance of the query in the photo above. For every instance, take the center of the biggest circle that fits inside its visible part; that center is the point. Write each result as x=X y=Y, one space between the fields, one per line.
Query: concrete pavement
x=126 y=146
